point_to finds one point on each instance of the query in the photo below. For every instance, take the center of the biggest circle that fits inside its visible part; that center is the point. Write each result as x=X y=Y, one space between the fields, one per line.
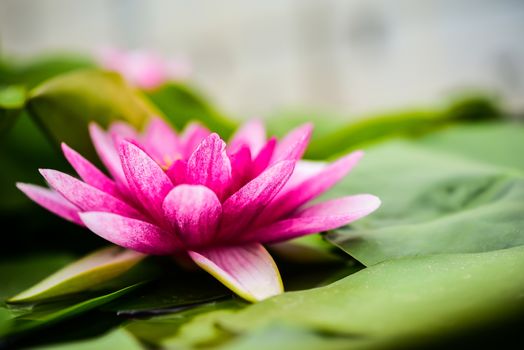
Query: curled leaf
x=86 y=273
x=64 y=105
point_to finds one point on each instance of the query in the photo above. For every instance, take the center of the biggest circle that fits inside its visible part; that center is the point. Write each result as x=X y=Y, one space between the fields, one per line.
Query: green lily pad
x=306 y=249
x=182 y=290
x=84 y=274
x=499 y=144
x=489 y=226
x=412 y=300
x=281 y=336
x=164 y=329
x=117 y=339
x=434 y=201
x=65 y=104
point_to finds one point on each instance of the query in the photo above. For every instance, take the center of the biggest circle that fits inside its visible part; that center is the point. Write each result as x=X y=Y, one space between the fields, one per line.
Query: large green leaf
x=498 y=144
x=164 y=329
x=434 y=201
x=84 y=274
x=409 y=300
x=181 y=104
x=492 y=223
x=117 y=339
x=281 y=336
x=306 y=249
x=153 y=300
x=63 y=106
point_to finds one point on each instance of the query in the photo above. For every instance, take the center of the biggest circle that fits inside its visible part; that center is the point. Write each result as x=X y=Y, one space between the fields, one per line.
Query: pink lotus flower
x=143 y=68
x=169 y=194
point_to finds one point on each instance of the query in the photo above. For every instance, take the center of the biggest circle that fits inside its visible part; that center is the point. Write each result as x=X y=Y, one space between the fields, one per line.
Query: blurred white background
x=348 y=57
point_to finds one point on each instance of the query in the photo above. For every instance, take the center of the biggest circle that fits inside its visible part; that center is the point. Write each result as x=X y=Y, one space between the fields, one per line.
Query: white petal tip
x=21 y=185
x=248 y=271
x=372 y=202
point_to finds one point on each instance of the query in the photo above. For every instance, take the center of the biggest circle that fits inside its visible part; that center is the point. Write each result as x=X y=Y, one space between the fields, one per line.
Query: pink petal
x=209 y=165
x=289 y=199
x=106 y=150
x=177 y=172
x=247 y=270
x=131 y=233
x=192 y=136
x=146 y=178
x=52 y=201
x=242 y=207
x=261 y=162
x=145 y=69
x=304 y=169
x=195 y=212
x=161 y=141
x=240 y=167
x=89 y=173
x=320 y=217
x=111 y=58
x=251 y=134
x=123 y=130
x=294 y=144
x=86 y=197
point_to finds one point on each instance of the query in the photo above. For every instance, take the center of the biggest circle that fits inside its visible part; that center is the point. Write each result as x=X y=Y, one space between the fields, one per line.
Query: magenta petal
x=177 y=172
x=261 y=162
x=161 y=141
x=122 y=129
x=146 y=178
x=320 y=217
x=247 y=270
x=240 y=167
x=294 y=144
x=195 y=212
x=89 y=173
x=251 y=134
x=86 y=197
x=106 y=150
x=52 y=201
x=302 y=192
x=192 y=136
x=242 y=207
x=304 y=170
x=131 y=233
x=210 y=166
